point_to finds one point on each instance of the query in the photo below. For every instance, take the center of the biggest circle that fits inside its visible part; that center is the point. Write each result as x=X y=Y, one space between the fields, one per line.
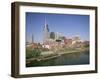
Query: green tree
x=32 y=53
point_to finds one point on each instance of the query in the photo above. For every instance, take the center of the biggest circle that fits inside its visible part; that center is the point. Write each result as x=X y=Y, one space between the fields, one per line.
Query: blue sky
x=69 y=25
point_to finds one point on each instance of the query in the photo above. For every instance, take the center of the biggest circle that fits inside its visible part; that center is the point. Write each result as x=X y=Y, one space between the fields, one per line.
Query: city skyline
x=69 y=25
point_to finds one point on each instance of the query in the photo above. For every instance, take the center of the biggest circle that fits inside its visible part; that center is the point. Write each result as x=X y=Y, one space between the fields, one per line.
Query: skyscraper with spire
x=46 y=33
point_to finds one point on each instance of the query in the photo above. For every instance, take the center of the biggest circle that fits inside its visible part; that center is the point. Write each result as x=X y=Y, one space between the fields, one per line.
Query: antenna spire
x=45 y=21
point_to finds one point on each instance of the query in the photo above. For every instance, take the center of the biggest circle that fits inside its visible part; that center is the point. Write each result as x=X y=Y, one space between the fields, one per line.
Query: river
x=65 y=59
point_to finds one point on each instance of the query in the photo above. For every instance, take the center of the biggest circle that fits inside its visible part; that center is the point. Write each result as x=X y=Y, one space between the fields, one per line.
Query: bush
x=32 y=53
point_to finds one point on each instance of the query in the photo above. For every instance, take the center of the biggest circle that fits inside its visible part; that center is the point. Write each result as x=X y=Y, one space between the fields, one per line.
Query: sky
x=69 y=25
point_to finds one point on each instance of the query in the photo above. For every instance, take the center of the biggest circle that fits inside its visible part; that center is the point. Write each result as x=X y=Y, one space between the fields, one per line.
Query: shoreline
x=55 y=55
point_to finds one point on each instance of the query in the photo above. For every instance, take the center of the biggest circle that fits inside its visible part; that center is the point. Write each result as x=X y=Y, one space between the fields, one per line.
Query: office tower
x=46 y=34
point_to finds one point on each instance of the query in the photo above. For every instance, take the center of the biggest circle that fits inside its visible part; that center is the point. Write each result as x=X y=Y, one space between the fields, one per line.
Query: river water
x=65 y=59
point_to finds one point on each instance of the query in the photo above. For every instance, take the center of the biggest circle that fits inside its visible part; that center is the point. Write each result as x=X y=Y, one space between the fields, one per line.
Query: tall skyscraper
x=58 y=35
x=32 y=38
x=46 y=33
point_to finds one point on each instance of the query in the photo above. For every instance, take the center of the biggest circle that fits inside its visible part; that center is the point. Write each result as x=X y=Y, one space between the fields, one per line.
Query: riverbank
x=55 y=55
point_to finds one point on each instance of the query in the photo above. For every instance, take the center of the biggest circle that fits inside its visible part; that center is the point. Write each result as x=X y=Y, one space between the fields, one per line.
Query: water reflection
x=65 y=59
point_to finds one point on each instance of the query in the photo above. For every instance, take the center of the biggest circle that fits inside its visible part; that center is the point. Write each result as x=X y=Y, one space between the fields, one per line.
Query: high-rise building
x=46 y=34
x=32 y=38
x=58 y=36
x=52 y=35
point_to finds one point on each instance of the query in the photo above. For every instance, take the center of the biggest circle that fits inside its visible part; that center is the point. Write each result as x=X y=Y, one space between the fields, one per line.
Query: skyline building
x=58 y=36
x=46 y=34
x=32 y=38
